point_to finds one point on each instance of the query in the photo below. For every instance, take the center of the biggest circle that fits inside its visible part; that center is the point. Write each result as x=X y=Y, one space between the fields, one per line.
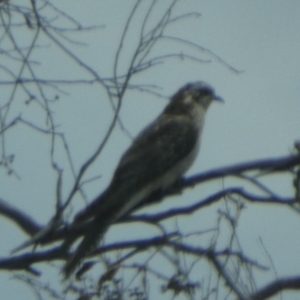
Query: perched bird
x=158 y=157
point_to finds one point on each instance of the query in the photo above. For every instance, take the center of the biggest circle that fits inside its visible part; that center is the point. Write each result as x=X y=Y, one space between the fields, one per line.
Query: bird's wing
x=155 y=151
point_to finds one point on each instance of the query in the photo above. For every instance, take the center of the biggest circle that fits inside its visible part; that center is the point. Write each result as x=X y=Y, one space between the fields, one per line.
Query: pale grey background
x=261 y=117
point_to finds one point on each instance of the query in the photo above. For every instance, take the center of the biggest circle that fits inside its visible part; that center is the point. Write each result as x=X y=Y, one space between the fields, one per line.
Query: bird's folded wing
x=142 y=169
x=156 y=150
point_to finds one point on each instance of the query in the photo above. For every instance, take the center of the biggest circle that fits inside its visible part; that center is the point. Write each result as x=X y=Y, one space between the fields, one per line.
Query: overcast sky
x=260 y=117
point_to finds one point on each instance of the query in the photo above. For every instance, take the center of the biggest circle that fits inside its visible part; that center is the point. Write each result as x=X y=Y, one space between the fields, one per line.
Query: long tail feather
x=95 y=233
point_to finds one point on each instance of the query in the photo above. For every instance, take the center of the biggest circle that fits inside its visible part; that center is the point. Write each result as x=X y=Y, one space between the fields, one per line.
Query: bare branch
x=275 y=287
x=25 y=222
x=270 y=164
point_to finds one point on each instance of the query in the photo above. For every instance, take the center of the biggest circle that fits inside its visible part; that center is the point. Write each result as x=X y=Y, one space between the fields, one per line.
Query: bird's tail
x=94 y=234
x=97 y=206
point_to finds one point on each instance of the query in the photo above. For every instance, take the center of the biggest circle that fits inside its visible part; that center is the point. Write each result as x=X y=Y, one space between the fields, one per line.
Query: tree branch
x=270 y=164
x=277 y=286
x=24 y=221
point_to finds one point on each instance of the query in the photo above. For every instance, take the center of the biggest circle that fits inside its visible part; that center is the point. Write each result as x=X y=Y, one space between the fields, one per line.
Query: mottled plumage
x=158 y=156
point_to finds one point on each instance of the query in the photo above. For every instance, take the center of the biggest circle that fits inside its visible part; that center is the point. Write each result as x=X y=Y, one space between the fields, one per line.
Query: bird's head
x=196 y=93
x=199 y=91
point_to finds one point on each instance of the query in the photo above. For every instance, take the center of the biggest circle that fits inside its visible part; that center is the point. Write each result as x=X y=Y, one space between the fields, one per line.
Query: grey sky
x=260 y=119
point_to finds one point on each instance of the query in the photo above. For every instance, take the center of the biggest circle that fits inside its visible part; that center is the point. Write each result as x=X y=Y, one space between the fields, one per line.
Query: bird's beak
x=218 y=98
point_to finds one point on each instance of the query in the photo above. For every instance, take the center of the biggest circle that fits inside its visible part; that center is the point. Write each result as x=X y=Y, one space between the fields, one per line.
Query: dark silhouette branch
x=228 y=280
x=270 y=165
x=275 y=287
x=280 y=164
x=24 y=261
x=25 y=222
x=203 y=203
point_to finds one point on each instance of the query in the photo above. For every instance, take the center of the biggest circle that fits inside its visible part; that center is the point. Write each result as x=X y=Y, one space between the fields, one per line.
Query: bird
x=157 y=157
